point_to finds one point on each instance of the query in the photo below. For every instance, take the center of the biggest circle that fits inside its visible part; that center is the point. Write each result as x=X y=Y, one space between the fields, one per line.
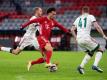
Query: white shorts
x=27 y=41
x=87 y=43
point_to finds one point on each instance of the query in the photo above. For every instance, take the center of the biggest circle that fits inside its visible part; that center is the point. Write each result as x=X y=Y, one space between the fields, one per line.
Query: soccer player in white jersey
x=83 y=24
x=29 y=37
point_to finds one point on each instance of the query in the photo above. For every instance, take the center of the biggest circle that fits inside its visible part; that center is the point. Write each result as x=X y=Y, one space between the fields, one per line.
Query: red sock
x=48 y=56
x=38 y=61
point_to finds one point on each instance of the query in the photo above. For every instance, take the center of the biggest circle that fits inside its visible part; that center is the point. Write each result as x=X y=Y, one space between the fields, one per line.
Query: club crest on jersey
x=45 y=22
x=52 y=24
x=47 y=26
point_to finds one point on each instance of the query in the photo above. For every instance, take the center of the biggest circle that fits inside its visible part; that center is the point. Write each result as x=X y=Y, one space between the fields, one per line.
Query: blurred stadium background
x=15 y=12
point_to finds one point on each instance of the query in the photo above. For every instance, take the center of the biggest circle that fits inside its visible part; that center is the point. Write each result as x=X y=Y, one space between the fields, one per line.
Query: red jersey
x=46 y=25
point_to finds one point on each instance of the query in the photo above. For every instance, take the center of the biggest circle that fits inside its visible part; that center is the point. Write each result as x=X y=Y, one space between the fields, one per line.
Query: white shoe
x=29 y=65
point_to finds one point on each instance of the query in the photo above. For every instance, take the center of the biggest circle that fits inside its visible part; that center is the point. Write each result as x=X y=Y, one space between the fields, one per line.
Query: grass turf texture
x=14 y=67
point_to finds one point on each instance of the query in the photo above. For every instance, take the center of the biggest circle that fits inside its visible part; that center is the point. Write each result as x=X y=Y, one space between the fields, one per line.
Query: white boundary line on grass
x=20 y=77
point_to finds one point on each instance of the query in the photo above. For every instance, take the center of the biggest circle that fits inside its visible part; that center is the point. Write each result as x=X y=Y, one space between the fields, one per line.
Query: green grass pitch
x=14 y=67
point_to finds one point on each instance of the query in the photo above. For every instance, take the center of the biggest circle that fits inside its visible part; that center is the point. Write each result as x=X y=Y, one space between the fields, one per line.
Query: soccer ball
x=53 y=68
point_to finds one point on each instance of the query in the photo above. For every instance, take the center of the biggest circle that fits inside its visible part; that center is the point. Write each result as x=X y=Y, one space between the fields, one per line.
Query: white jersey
x=31 y=30
x=84 y=24
x=29 y=38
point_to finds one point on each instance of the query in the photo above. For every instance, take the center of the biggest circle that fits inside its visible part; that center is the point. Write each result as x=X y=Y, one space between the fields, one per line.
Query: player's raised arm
x=36 y=20
x=99 y=29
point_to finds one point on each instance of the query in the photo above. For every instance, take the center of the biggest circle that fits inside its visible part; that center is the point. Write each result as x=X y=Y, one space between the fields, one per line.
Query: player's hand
x=21 y=28
x=69 y=33
x=105 y=37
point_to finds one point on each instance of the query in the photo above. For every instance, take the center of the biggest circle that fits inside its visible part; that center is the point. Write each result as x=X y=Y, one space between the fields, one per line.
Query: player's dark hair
x=49 y=10
x=85 y=9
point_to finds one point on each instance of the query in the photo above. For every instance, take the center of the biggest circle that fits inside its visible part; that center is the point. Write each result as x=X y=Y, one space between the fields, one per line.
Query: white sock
x=7 y=49
x=85 y=60
x=97 y=58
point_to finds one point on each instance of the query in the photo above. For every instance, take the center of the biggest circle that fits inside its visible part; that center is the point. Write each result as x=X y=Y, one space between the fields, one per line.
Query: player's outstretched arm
x=99 y=29
x=36 y=20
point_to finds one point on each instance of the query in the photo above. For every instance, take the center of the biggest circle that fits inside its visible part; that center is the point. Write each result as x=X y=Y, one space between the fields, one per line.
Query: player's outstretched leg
x=7 y=49
x=97 y=60
x=10 y=50
x=38 y=61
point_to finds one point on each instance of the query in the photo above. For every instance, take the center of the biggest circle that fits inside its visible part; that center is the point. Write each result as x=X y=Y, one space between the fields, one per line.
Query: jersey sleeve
x=56 y=24
x=33 y=17
x=92 y=18
x=75 y=22
x=36 y=20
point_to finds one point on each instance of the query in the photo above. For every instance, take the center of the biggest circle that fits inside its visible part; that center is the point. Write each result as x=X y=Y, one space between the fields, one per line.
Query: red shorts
x=42 y=42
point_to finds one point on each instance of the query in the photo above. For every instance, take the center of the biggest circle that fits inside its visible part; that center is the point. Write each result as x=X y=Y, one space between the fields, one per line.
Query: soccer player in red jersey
x=46 y=25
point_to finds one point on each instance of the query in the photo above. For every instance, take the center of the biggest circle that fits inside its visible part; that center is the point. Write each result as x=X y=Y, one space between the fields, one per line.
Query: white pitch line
x=20 y=77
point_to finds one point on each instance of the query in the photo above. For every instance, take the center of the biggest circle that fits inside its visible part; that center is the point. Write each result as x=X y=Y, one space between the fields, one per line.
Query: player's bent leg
x=91 y=46
x=11 y=50
x=84 y=62
x=98 y=57
x=48 y=54
x=48 y=47
x=38 y=61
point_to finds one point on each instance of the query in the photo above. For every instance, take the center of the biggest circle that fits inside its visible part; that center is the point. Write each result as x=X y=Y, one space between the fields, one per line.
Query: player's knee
x=90 y=54
x=100 y=50
x=44 y=59
x=49 y=47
